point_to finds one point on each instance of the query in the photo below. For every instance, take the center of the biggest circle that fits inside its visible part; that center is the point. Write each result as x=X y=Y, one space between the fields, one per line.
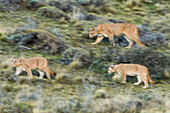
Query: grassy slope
x=63 y=90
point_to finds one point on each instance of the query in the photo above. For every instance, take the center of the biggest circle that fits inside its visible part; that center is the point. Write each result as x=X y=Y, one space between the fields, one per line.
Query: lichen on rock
x=39 y=39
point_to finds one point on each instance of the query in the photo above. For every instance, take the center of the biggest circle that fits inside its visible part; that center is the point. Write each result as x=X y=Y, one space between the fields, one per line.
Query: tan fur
x=109 y=30
x=132 y=70
x=39 y=63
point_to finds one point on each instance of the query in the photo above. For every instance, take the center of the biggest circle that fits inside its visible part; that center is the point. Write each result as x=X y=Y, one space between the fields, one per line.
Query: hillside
x=59 y=31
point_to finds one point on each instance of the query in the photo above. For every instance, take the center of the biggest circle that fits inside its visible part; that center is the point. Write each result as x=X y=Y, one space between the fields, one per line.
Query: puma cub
x=132 y=70
x=39 y=63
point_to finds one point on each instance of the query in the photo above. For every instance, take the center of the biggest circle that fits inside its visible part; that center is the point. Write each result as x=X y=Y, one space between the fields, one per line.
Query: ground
x=75 y=86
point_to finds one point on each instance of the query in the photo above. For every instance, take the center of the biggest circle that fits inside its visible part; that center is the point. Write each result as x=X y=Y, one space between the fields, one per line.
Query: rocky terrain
x=58 y=30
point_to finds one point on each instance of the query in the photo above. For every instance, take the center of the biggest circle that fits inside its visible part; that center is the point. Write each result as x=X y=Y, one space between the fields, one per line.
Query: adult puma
x=109 y=30
x=132 y=70
x=39 y=63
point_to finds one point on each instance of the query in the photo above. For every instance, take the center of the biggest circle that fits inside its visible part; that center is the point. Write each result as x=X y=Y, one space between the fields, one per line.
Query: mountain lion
x=132 y=70
x=109 y=30
x=39 y=63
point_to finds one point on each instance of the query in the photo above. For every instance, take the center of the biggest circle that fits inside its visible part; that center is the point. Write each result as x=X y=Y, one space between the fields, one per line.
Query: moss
x=76 y=53
x=117 y=78
x=100 y=93
x=10 y=88
x=52 y=12
x=23 y=107
x=76 y=64
x=17 y=108
x=39 y=39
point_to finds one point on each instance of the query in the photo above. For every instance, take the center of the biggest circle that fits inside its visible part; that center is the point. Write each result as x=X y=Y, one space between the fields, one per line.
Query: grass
x=67 y=92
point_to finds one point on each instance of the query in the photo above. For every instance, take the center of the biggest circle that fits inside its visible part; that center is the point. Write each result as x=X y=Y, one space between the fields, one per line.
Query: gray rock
x=39 y=39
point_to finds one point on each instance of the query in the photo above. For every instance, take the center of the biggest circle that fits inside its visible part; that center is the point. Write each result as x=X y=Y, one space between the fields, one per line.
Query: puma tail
x=150 y=80
x=138 y=38
x=53 y=73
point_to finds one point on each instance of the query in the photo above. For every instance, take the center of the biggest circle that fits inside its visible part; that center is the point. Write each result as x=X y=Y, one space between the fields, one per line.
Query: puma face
x=14 y=63
x=93 y=32
x=111 y=69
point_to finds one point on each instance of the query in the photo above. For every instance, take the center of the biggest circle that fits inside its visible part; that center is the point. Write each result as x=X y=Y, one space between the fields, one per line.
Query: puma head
x=15 y=63
x=111 y=69
x=93 y=32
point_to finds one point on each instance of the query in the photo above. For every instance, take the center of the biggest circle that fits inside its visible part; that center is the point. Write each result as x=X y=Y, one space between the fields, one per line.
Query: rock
x=35 y=4
x=147 y=1
x=92 y=16
x=167 y=72
x=155 y=39
x=100 y=93
x=159 y=8
x=132 y=3
x=40 y=40
x=52 y=12
x=117 y=78
x=76 y=64
x=75 y=53
x=65 y=6
x=134 y=106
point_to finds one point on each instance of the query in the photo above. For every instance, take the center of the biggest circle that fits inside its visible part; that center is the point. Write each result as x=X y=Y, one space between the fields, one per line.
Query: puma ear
x=91 y=28
x=112 y=66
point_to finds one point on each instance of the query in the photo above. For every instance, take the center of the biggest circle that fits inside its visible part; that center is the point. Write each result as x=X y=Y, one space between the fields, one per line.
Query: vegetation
x=58 y=30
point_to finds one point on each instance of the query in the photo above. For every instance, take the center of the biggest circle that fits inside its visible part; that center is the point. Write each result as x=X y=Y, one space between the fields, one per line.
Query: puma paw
x=146 y=87
x=93 y=43
x=127 y=47
x=123 y=82
x=136 y=84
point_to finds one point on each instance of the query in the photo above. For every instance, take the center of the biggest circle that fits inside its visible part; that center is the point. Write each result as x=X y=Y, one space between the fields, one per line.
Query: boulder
x=39 y=40
x=100 y=93
x=117 y=78
x=52 y=12
x=17 y=108
x=154 y=40
x=65 y=6
x=76 y=54
x=132 y=3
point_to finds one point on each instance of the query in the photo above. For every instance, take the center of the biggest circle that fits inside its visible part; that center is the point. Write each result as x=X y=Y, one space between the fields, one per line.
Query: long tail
x=138 y=38
x=150 y=80
x=53 y=73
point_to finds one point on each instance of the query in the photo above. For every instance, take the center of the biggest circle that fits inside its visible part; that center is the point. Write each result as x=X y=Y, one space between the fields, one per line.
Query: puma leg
x=99 y=38
x=124 y=78
x=111 y=40
x=47 y=72
x=41 y=74
x=130 y=42
x=29 y=72
x=139 y=80
x=18 y=71
x=145 y=80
